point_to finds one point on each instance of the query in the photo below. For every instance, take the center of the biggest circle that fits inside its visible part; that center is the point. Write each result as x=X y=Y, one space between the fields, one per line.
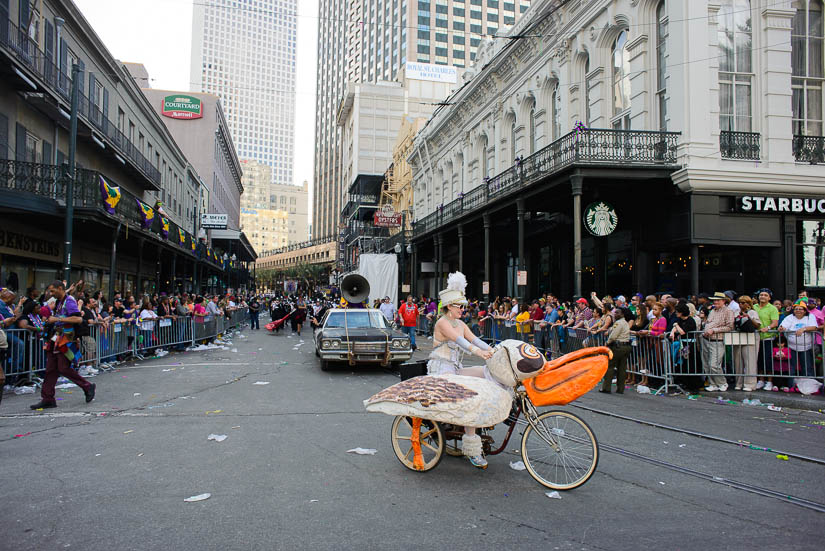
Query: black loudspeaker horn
x=355 y=288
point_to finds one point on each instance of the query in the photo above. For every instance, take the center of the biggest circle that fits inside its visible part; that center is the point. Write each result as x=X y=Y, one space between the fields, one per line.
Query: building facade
x=198 y=125
x=244 y=52
x=127 y=162
x=281 y=222
x=361 y=41
x=631 y=145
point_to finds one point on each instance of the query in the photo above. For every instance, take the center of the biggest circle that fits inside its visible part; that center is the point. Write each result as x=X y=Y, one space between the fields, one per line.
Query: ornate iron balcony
x=809 y=149
x=593 y=146
x=739 y=145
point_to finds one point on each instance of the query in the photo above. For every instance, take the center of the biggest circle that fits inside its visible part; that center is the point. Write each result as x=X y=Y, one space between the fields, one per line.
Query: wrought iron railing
x=739 y=145
x=27 y=52
x=590 y=146
x=49 y=182
x=296 y=246
x=809 y=149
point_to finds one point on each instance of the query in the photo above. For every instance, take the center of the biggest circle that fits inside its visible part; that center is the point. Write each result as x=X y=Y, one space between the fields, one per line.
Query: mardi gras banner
x=181 y=237
x=147 y=213
x=110 y=195
x=164 y=227
x=192 y=243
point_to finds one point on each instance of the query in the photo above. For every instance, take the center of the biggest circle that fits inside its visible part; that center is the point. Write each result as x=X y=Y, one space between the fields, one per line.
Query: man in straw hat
x=451 y=340
x=720 y=321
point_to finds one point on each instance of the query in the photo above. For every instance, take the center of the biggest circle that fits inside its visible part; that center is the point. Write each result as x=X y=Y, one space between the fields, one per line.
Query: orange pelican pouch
x=567 y=378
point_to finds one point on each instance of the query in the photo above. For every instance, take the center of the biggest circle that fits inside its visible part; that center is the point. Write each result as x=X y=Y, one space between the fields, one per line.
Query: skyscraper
x=370 y=41
x=244 y=52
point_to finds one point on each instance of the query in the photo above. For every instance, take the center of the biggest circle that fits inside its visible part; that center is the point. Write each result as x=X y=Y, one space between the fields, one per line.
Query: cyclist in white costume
x=451 y=340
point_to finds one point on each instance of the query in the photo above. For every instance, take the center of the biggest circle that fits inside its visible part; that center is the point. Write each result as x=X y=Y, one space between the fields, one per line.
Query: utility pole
x=70 y=177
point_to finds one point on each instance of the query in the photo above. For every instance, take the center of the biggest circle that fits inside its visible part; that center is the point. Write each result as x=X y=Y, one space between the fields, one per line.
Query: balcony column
x=110 y=295
x=173 y=275
x=461 y=248
x=576 y=185
x=439 y=246
x=158 y=270
x=520 y=214
x=777 y=134
x=487 y=227
x=694 y=270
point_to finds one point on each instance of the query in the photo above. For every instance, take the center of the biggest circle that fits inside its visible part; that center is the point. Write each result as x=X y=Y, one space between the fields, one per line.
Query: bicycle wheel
x=560 y=450
x=418 y=443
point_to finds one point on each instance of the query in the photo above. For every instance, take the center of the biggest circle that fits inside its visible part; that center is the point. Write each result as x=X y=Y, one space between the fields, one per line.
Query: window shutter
x=61 y=158
x=92 y=88
x=64 y=61
x=20 y=143
x=4 y=18
x=4 y=137
x=47 y=153
x=105 y=111
x=80 y=79
x=48 y=43
x=23 y=16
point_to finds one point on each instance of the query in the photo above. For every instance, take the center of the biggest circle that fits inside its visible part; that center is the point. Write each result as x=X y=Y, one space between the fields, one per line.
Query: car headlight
x=400 y=343
x=330 y=343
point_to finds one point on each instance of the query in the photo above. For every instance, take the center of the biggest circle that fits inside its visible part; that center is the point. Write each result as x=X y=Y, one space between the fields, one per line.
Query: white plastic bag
x=808 y=386
x=642 y=389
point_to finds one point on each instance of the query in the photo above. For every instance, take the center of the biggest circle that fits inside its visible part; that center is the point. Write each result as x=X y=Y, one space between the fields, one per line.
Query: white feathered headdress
x=454 y=293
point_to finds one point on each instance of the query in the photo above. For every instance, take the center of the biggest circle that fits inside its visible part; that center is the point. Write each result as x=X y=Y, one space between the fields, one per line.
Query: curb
x=814 y=402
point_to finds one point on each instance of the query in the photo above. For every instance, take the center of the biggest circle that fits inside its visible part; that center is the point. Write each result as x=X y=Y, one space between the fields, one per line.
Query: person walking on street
x=619 y=343
x=409 y=319
x=66 y=317
x=254 y=312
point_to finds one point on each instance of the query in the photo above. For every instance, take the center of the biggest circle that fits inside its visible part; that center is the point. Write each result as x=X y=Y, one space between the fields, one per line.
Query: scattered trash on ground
x=517 y=466
x=694 y=396
x=216 y=437
x=161 y=353
x=59 y=387
x=682 y=445
x=237 y=427
x=140 y=455
x=553 y=495
x=200 y=497
x=774 y=408
x=313 y=501
x=363 y=451
x=206 y=347
x=808 y=386
x=662 y=483
x=20 y=390
x=783 y=457
x=721 y=400
x=642 y=389
x=261 y=383
x=22 y=435
x=260 y=349
x=235 y=350
x=87 y=371
x=166 y=405
x=128 y=431
x=136 y=394
x=754 y=402
x=215 y=411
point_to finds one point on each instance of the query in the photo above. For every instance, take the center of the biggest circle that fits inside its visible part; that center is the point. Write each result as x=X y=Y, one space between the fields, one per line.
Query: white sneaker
x=712 y=388
x=748 y=389
x=723 y=388
x=760 y=384
x=768 y=385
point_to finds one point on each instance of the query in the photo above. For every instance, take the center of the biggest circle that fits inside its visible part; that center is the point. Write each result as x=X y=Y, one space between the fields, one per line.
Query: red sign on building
x=386 y=217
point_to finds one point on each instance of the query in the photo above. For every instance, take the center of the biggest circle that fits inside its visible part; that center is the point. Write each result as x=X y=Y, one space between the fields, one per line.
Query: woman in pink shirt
x=199 y=311
x=657 y=328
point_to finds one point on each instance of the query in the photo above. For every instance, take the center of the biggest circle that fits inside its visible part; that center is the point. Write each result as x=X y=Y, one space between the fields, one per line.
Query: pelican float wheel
x=418 y=443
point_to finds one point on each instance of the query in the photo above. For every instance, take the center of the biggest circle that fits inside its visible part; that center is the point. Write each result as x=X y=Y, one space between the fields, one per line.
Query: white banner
x=214 y=221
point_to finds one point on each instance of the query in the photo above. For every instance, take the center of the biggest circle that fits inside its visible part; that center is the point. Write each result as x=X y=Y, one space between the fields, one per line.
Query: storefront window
x=812 y=240
x=14 y=273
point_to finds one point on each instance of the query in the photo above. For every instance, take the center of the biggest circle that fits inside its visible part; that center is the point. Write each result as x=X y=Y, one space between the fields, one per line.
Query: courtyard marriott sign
x=180 y=106
x=756 y=203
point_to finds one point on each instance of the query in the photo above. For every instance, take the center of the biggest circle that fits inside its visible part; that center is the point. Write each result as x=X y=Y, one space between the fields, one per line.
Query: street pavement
x=113 y=474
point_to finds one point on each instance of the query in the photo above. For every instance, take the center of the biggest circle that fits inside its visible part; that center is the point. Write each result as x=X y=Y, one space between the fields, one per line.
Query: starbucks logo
x=600 y=219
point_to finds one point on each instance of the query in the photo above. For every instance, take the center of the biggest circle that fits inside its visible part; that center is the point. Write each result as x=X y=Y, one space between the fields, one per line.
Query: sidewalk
x=815 y=402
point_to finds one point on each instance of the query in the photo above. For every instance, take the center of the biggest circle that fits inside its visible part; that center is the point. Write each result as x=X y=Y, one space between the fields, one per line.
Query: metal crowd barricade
x=19 y=358
x=652 y=357
x=114 y=340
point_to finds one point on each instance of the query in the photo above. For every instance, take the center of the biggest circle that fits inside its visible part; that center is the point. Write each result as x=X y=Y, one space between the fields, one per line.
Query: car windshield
x=356 y=320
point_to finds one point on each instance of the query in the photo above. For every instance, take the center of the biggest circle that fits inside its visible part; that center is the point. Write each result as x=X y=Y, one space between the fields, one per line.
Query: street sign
x=214 y=221
x=386 y=217
x=521 y=276
x=485 y=288
x=405 y=288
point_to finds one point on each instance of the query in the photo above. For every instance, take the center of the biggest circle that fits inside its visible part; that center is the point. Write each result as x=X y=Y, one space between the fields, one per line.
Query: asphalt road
x=113 y=474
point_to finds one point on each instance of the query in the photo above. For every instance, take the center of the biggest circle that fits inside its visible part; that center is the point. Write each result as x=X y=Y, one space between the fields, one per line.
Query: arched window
x=554 y=114
x=586 y=91
x=807 y=68
x=533 y=129
x=661 y=65
x=621 y=83
x=735 y=37
x=513 y=142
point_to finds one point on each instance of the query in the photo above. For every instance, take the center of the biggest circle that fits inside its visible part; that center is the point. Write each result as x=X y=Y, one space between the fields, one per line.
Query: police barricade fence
x=25 y=356
x=740 y=359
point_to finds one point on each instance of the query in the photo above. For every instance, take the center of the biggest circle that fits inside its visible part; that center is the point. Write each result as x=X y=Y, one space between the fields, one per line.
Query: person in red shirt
x=409 y=319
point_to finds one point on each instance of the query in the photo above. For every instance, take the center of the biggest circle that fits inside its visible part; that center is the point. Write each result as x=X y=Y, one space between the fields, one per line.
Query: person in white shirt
x=731 y=302
x=387 y=309
x=798 y=328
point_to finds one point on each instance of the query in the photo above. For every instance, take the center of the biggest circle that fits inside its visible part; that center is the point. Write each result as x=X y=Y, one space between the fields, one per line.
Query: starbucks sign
x=181 y=106
x=600 y=218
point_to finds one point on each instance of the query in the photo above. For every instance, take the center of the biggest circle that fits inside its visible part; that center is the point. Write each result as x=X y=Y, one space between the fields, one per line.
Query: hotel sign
x=756 y=203
x=431 y=72
x=181 y=106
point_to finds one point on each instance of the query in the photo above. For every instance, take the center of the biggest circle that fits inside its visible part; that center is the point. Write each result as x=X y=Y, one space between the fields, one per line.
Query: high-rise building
x=244 y=52
x=360 y=41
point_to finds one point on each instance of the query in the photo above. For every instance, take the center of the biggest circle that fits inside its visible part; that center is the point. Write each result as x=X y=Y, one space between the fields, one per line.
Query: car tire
x=326 y=365
x=317 y=354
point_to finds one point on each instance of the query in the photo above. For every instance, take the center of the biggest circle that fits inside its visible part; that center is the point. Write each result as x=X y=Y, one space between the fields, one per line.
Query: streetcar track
x=738 y=443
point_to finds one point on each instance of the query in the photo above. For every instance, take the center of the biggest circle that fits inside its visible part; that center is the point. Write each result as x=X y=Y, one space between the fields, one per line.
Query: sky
x=158 y=33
